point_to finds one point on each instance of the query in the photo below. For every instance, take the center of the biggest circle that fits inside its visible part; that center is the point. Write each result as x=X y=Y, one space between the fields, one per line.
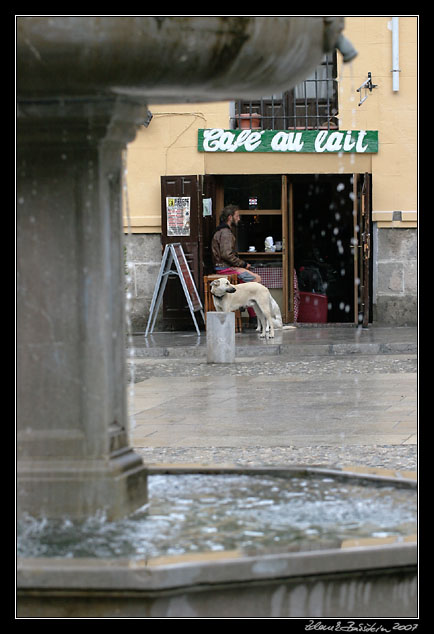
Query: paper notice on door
x=207 y=207
x=178 y=216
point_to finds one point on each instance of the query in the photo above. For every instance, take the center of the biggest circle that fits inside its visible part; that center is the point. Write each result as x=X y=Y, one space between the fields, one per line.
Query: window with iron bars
x=311 y=105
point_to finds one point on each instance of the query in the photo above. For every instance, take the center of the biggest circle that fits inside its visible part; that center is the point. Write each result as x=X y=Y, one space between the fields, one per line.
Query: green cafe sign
x=317 y=141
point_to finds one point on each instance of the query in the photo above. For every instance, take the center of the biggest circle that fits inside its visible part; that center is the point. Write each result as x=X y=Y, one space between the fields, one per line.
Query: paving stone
x=328 y=410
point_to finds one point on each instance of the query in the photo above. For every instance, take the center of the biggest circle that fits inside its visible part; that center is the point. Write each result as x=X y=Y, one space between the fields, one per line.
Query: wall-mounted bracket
x=367 y=85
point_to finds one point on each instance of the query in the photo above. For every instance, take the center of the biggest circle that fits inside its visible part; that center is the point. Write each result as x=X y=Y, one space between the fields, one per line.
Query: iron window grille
x=311 y=105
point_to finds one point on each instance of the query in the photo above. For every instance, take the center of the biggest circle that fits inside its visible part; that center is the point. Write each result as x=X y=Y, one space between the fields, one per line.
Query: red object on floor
x=313 y=308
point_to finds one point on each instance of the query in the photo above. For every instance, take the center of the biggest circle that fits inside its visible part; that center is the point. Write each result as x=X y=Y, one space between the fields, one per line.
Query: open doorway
x=323 y=240
x=318 y=220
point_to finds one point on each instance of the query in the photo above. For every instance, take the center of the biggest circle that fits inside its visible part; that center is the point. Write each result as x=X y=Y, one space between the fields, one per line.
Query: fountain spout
x=345 y=47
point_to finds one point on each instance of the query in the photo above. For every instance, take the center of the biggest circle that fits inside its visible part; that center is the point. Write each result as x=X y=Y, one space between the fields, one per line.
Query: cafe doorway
x=323 y=241
x=320 y=226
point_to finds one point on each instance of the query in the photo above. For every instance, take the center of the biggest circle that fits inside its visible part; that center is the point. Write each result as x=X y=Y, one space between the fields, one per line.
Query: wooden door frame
x=362 y=190
x=365 y=197
x=287 y=208
x=356 y=229
x=284 y=208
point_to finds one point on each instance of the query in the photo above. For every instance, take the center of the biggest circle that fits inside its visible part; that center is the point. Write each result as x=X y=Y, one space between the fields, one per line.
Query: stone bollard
x=220 y=337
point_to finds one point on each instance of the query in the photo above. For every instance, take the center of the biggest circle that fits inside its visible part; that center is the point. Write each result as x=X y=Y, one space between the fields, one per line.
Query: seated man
x=223 y=252
x=223 y=247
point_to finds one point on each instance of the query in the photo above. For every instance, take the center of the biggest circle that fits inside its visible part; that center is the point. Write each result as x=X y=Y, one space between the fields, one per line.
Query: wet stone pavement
x=281 y=365
x=323 y=410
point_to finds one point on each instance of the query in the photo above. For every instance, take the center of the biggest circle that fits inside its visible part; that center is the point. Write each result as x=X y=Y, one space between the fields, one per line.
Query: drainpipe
x=395 y=54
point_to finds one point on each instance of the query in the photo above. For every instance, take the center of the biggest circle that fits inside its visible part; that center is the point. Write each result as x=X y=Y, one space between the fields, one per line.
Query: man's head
x=230 y=214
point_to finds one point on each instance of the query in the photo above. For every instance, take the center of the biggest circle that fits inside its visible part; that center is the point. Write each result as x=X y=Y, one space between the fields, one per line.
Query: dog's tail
x=276 y=315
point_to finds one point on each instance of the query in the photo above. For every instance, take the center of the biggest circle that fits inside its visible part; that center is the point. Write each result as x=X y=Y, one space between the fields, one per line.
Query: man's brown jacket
x=223 y=249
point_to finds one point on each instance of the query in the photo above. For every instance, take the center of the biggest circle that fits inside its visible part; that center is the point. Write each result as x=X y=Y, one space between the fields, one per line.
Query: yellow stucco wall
x=169 y=145
x=393 y=114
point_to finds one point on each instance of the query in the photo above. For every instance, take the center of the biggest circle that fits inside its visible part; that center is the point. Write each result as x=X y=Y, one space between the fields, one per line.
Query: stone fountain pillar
x=74 y=457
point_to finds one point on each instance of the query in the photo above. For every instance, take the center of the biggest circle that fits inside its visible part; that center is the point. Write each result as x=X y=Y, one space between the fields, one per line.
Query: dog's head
x=221 y=286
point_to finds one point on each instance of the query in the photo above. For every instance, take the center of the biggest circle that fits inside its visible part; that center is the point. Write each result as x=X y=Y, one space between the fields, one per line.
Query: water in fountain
x=251 y=513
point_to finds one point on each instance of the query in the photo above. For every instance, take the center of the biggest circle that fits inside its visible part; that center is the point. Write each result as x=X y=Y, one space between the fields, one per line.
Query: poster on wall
x=178 y=215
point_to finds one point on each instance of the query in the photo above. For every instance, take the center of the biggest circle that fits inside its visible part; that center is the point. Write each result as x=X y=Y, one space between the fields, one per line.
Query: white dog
x=228 y=298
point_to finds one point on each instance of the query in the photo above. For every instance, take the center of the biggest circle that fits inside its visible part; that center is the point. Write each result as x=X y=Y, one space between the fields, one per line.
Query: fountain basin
x=169 y=58
x=353 y=576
